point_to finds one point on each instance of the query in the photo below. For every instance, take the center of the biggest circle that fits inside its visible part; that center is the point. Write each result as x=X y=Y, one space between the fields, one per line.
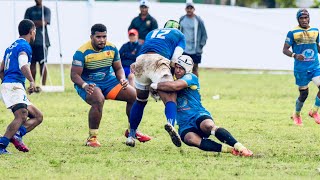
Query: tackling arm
x=170 y=85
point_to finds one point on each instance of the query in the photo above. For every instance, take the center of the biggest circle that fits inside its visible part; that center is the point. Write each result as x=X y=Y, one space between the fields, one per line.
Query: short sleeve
x=78 y=59
x=289 y=38
x=182 y=42
x=116 y=55
x=25 y=48
x=190 y=79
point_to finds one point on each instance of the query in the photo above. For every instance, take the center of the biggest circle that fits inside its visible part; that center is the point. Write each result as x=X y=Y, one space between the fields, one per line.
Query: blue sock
x=317 y=103
x=136 y=114
x=299 y=105
x=4 y=142
x=171 y=112
x=22 y=131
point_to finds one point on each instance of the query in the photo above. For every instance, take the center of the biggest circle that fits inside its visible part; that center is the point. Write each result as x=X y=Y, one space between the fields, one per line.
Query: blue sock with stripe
x=4 y=142
x=171 y=112
x=22 y=131
x=136 y=114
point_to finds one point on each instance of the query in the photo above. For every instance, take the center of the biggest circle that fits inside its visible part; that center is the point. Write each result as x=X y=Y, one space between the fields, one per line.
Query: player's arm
x=75 y=75
x=119 y=72
x=2 y=70
x=25 y=69
x=286 y=51
x=180 y=48
x=170 y=85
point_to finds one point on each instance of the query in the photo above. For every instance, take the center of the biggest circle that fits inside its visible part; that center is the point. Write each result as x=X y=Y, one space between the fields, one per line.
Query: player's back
x=163 y=41
x=12 y=72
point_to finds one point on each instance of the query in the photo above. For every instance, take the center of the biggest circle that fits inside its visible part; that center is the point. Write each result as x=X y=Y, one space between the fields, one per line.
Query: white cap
x=144 y=3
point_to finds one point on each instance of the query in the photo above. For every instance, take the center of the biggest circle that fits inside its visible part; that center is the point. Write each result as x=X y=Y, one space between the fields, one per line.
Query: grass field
x=255 y=108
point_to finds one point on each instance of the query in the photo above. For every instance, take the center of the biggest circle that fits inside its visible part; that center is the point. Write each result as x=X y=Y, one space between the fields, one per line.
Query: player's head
x=27 y=29
x=98 y=36
x=303 y=18
x=172 y=24
x=183 y=65
x=133 y=35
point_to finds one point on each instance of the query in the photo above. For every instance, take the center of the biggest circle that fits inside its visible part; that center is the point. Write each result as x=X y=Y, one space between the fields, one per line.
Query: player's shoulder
x=109 y=44
x=86 y=46
x=190 y=76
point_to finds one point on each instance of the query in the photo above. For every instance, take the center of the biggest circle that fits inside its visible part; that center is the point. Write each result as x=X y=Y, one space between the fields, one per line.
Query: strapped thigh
x=19 y=106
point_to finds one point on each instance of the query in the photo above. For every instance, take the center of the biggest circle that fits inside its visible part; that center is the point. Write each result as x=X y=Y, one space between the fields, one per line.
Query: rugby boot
x=130 y=142
x=246 y=153
x=4 y=151
x=93 y=142
x=173 y=134
x=297 y=120
x=139 y=135
x=16 y=140
x=315 y=116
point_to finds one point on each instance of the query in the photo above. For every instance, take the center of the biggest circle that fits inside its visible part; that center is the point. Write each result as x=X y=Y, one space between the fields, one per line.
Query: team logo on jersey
x=182 y=102
x=308 y=54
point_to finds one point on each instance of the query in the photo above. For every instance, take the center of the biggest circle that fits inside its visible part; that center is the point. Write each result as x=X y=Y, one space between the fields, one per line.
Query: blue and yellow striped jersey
x=304 y=41
x=96 y=64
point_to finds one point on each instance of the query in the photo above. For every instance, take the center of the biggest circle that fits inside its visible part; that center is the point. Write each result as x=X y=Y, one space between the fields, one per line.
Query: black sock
x=224 y=136
x=209 y=145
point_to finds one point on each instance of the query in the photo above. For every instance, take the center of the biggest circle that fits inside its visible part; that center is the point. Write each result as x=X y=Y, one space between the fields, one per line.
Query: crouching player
x=14 y=70
x=195 y=122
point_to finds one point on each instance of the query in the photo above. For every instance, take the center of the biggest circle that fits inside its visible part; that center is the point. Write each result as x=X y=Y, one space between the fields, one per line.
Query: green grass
x=255 y=108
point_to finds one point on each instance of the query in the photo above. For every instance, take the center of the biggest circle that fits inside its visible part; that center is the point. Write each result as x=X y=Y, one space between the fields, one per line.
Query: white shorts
x=13 y=93
x=151 y=68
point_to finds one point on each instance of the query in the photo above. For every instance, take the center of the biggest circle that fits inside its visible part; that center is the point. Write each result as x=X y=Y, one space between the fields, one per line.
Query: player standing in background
x=39 y=48
x=304 y=41
x=94 y=82
x=144 y=22
x=14 y=70
x=153 y=65
x=195 y=122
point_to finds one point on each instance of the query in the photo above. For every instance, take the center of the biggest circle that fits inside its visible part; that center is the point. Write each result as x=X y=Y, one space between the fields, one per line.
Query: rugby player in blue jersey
x=94 y=82
x=152 y=66
x=14 y=70
x=304 y=41
x=195 y=122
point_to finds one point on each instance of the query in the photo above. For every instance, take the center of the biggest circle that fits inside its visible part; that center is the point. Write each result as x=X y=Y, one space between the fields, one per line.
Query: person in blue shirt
x=95 y=82
x=152 y=66
x=195 y=122
x=128 y=54
x=14 y=70
x=304 y=41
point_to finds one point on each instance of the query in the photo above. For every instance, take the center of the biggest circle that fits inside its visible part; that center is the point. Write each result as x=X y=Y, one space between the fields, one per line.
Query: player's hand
x=132 y=67
x=89 y=88
x=124 y=83
x=31 y=88
x=300 y=57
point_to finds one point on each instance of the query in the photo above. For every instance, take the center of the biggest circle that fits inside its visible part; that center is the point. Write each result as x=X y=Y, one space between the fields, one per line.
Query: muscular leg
x=96 y=100
x=35 y=116
x=128 y=95
x=43 y=73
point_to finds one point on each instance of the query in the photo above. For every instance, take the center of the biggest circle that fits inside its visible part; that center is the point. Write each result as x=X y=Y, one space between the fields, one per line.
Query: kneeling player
x=195 y=122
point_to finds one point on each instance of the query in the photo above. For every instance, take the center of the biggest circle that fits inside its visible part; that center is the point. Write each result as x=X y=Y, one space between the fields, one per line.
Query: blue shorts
x=303 y=78
x=193 y=126
x=110 y=88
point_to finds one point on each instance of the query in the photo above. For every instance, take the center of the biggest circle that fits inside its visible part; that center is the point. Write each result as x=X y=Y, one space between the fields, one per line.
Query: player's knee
x=39 y=117
x=303 y=94
x=189 y=139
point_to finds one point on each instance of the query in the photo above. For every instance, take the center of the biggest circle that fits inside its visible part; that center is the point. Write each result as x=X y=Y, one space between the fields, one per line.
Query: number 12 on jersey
x=160 y=33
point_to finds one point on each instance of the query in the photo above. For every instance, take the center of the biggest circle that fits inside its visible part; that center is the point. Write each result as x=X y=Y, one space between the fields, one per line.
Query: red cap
x=133 y=31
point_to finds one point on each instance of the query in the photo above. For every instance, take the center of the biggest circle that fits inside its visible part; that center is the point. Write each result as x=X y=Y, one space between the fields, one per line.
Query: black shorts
x=196 y=129
x=39 y=54
x=195 y=57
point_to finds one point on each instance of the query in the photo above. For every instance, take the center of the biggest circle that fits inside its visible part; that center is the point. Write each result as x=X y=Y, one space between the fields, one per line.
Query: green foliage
x=255 y=108
x=287 y=3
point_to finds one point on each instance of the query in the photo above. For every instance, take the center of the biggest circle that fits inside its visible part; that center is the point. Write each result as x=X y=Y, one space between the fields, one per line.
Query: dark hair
x=25 y=26
x=99 y=28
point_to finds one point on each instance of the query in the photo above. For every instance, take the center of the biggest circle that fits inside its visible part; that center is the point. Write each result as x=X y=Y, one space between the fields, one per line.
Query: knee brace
x=18 y=106
x=303 y=94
